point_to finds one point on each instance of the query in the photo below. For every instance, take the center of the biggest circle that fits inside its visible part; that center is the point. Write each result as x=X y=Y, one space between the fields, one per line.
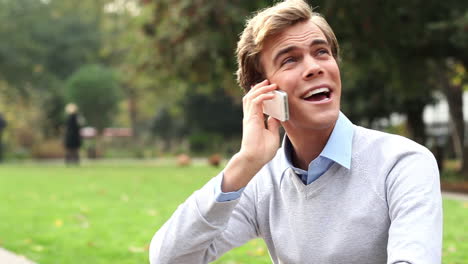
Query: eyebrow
x=290 y=48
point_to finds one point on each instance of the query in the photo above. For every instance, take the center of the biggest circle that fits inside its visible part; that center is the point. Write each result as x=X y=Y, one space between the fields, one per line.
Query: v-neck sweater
x=385 y=209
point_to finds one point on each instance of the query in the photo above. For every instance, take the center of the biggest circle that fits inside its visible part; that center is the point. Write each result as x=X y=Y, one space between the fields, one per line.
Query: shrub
x=204 y=142
x=49 y=149
x=95 y=89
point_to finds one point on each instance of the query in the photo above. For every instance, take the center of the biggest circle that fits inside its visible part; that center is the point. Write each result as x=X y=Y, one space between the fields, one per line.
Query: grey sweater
x=385 y=209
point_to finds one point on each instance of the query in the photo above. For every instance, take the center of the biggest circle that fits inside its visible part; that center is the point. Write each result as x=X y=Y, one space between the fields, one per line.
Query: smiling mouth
x=317 y=95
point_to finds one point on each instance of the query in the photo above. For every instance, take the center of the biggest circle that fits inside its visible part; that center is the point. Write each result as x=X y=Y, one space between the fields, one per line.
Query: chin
x=317 y=121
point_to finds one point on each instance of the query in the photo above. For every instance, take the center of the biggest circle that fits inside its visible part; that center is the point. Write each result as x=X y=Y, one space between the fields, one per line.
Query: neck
x=307 y=145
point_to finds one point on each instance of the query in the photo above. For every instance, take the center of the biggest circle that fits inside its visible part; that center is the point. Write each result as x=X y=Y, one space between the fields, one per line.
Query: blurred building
x=437 y=118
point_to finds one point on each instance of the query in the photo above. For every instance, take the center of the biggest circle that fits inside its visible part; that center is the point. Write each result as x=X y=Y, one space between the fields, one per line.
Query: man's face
x=300 y=62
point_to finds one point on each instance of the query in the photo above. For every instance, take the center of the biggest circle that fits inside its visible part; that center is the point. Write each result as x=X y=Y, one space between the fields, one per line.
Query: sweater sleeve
x=201 y=229
x=415 y=209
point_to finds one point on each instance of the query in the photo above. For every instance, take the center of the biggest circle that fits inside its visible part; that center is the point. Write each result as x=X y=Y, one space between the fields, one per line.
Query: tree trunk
x=454 y=96
x=1 y=144
x=415 y=122
x=133 y=111
x=464 y=165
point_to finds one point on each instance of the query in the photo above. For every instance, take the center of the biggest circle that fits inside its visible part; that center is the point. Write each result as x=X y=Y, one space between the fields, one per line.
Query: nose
x=312 y=68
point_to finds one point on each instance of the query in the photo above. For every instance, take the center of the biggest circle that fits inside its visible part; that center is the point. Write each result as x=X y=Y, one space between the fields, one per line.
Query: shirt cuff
x=221 y=196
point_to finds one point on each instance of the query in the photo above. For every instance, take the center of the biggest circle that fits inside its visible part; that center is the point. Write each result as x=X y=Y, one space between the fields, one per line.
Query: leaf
x=38 y=68
x=58 y=223
x=82 y=220
x=152 y=212
x=124 y=197
x=452 y=248
x=134 y=249
x=259 y=251
x=37 y=248
x=84 y=209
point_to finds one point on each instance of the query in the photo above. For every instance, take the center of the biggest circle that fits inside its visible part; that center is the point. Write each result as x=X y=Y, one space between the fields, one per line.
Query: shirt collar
x=338 y=147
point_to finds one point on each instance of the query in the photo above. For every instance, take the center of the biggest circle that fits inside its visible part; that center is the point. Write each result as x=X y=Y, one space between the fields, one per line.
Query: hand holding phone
x=278 y=106
x=260 y=141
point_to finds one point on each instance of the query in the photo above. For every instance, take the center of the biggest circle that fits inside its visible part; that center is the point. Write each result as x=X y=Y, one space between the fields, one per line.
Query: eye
x=288 y=60
x=323 y=51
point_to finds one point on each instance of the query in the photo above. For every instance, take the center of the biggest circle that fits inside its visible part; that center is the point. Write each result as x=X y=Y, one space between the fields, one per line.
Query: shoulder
x=388 y=154
x=392 y=155
x=390 y=161
x=378 y=144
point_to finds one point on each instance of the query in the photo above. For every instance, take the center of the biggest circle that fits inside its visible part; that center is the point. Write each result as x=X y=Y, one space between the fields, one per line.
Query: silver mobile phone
x=278 y=106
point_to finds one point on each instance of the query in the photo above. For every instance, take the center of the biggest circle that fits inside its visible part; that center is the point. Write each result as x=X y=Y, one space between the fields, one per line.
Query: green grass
x=455 y=250
x=108 y=213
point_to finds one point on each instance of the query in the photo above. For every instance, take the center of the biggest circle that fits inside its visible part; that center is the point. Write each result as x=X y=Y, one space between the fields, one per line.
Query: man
x=334 y=192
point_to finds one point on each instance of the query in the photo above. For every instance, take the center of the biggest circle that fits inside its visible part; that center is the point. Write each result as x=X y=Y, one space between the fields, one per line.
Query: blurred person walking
x=3 y=125
x=72 y=140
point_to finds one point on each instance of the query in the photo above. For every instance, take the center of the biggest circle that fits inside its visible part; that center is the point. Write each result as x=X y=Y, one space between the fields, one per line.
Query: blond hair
x=268 y=22
x=71 y=108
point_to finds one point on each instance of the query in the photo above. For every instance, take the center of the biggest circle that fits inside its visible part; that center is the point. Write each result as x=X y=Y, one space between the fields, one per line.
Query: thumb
x=273 y=125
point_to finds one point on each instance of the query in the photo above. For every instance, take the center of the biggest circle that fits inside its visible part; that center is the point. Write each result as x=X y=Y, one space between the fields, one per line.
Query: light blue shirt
x=337 y=150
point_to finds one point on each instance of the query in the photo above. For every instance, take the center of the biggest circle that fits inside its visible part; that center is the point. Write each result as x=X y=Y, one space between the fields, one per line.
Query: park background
x=154 y=81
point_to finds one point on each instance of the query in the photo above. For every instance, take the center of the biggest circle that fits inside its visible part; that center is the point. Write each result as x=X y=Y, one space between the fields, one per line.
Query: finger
x=256 y=105
x=263 y=89
x=251 y=95
x=260 y=84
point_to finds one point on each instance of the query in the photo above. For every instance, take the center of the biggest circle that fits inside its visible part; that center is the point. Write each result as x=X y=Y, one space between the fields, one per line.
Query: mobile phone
x=278 y=106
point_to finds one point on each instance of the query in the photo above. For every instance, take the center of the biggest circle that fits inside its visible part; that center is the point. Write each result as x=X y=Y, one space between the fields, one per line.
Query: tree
x=47 y=42
x=385 y=59
x=195 y=40
x=168 y=127
x=95 y=89
x=452 y=82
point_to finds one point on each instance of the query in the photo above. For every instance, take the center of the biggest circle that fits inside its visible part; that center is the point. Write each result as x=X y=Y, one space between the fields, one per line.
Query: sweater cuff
x=215 y=213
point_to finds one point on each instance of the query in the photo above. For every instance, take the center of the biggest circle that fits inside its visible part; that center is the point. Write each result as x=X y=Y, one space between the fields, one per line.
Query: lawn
x=108 y=212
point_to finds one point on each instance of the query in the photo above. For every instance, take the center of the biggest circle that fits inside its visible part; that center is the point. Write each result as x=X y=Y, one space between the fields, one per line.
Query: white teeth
x=316 y=91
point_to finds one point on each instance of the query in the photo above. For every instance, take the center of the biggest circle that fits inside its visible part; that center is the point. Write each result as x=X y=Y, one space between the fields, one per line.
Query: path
x=7 y=257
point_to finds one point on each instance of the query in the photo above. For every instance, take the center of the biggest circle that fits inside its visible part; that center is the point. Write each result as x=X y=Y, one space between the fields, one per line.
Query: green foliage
x=44 y=39
x=196 y=40
x=387 y=49
x=215 y=113
x=95 y=89
x=385 y=53
x=167 y=125
x=167 y=49
x=205 y=142
x=47 y=42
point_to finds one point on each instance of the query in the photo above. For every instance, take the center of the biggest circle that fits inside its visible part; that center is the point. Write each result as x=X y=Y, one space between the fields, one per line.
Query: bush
x=95 y=89
x=16 y=154
x=25 y=137
x=49 y=149
x=204 y=142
